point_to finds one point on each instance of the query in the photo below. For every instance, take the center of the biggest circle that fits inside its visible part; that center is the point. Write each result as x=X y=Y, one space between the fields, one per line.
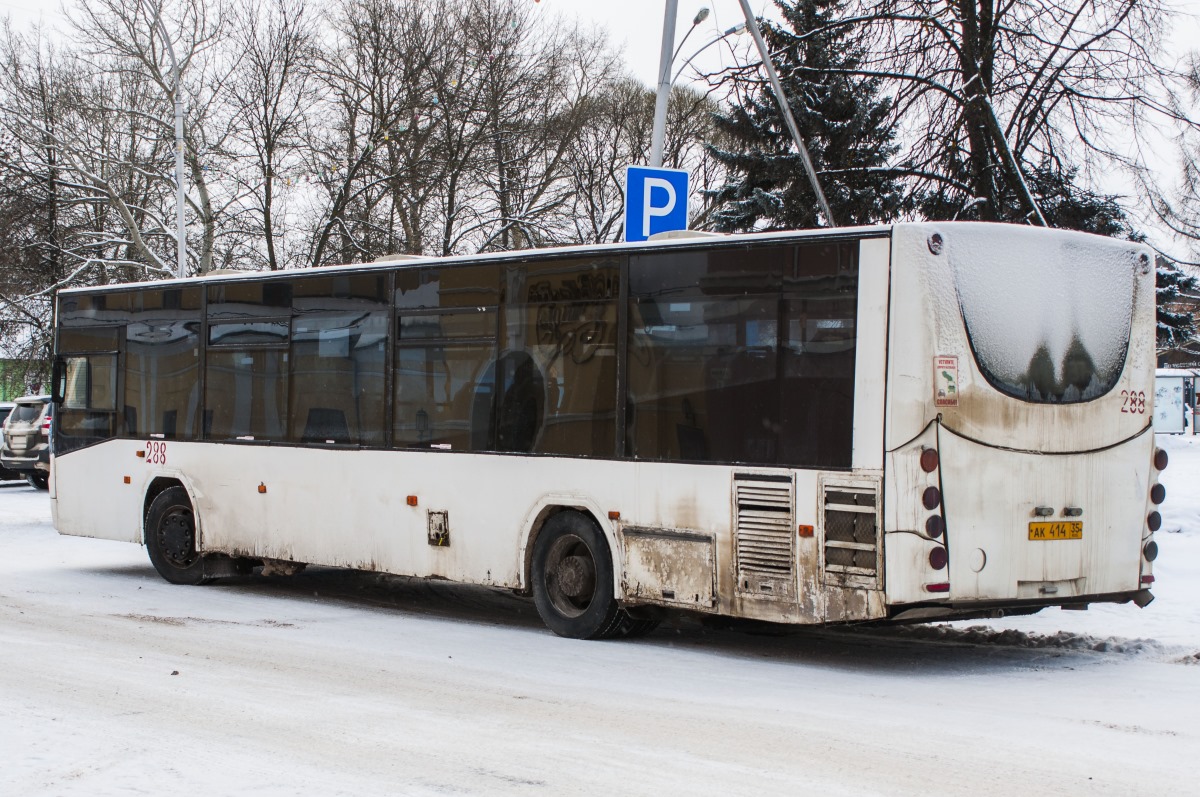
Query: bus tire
x=572 y=577
x=171 y=538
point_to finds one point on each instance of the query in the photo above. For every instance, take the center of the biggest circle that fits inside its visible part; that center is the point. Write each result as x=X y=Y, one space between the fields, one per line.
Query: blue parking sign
x=656 y=201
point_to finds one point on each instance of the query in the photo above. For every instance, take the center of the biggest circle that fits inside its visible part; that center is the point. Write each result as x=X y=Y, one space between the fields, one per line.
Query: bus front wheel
x=572 y=579
x=171 y=538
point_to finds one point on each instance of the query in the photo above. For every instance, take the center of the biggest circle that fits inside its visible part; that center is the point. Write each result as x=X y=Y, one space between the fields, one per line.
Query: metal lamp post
x=666 y=57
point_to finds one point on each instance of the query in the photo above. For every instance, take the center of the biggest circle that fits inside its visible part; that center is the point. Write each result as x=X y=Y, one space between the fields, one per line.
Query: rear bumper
x=975 y=610
x=25 y=462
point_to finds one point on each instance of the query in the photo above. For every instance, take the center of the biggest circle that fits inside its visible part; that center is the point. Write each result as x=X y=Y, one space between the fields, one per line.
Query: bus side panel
x=90 y=497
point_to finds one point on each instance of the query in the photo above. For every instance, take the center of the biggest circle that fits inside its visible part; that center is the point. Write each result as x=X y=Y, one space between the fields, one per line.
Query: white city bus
x=911 y=422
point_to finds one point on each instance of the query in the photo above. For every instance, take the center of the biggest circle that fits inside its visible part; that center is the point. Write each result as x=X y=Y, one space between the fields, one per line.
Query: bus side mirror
x=58 y=381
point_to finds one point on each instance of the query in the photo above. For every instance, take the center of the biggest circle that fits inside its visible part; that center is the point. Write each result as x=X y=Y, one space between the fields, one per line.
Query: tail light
x=1150 y=551
x=931 y=498
x=1160 y=459
x=938 y=558
x=1154 y=521
x=1158 y=494
x=46 y=425
x=929 y=460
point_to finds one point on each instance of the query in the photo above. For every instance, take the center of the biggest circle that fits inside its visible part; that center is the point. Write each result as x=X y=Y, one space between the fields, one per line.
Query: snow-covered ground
x=113 y=682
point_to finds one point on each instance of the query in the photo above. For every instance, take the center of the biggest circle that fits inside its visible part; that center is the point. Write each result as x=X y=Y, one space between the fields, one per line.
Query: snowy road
x=114 y=682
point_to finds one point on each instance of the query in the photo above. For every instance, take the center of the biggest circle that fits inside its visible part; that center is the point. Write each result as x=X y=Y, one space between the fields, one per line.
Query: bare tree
x=989 y=93
x=270 y=93
x=121 y=37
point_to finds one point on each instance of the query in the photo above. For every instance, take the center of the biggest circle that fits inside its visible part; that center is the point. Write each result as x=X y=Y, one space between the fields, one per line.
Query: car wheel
x=38 y=480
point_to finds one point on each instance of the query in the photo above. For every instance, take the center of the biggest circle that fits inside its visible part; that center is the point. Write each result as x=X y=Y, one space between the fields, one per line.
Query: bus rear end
x=1021 y=470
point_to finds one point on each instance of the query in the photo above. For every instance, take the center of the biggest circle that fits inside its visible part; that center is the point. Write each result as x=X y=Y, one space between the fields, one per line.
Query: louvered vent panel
x=765 y=534
x=851 y=531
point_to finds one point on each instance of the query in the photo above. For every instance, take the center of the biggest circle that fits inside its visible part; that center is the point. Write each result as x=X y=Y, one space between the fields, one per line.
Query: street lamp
x=177 y=94
x=738 y=28
x=666 y=57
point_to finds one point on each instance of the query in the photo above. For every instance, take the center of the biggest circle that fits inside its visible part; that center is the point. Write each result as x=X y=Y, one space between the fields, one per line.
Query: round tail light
x=931 y=498
x=1154 y=521
x=1158 y=494
x=1161 y=459
x=939 y=558
x=934 y=526
x=929 y=460
x=1150 y=551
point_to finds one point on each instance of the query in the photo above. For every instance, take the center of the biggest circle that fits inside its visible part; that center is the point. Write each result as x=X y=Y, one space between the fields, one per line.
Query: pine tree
x=843 y=120
x=1175 y=327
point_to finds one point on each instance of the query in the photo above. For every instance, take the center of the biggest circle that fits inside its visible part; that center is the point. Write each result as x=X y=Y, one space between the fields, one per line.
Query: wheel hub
x=177 y=538
x=576 y=576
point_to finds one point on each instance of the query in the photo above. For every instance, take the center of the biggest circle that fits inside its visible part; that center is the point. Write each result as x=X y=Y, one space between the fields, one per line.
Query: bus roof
x=872 y=231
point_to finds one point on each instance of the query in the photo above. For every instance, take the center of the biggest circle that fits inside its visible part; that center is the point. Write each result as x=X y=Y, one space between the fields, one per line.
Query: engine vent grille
x=852 y=534
x=765 y=533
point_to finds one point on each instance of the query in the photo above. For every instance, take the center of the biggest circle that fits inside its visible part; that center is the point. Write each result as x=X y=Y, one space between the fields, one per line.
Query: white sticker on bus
x=945 y=381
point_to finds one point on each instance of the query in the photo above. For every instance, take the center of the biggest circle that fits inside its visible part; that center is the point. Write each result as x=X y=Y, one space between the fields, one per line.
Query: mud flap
x=218 y=565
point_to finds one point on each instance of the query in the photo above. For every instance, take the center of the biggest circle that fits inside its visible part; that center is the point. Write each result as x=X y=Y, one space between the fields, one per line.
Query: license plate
x=1057 y=530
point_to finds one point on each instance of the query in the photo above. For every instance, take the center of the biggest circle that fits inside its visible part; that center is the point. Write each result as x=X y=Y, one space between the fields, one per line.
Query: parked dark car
x=26 y=445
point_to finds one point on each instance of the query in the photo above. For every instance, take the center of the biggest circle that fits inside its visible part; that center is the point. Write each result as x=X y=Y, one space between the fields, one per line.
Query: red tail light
x=938 y=558
x=1154 y=521
x=46 y=426
x=942 y=587
x=1147 y=579
x=1160 y=459
x=1158 y=494
x=929 y=460
x=931 y=498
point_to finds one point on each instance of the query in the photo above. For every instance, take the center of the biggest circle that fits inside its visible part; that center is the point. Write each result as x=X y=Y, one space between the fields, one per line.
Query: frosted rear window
x=1048 y=319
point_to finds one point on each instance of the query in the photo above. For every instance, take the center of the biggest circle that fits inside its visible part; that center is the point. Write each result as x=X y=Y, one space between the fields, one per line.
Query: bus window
x=245 y=395
x=89 y=391
x=162 y=352
x=445 y=357
x=743 y=355
x=562 y=316
x=1048 y=335
x=245 y=369
x=338 y=360
x=89 y=397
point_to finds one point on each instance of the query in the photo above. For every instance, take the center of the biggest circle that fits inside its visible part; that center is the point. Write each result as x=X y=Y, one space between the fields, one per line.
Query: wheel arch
x=547 y=508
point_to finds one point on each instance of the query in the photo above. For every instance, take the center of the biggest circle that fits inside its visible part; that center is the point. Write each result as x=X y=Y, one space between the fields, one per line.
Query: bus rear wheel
x=572 y=579
x=171 y=538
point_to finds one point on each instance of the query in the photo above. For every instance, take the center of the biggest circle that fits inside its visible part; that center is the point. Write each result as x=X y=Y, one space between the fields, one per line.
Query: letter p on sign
x=655 y=201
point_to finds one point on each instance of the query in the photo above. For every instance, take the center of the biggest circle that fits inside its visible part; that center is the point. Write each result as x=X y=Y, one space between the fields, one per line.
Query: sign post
x=656 y=200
